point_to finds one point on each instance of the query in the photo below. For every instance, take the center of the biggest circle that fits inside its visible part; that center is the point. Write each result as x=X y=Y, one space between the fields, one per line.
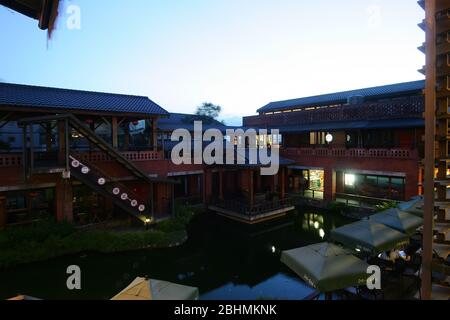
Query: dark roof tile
x=64 y=99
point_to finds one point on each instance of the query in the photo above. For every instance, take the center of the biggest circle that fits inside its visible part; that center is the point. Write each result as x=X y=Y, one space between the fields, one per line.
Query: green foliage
x=209 y=110
x=47 y=240
x=386 y=206
x=183 y=215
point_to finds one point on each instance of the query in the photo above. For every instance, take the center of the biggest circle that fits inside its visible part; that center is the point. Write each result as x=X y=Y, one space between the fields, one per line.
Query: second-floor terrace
x=389 y=109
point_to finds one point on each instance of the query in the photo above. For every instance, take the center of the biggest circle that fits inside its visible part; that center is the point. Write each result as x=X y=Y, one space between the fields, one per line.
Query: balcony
x=397 y=153
x=49 y=159
x=244 y=212
x=402 y=108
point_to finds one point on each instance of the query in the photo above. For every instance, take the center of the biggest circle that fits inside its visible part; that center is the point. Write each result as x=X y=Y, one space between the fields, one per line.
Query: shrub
x=386 y=206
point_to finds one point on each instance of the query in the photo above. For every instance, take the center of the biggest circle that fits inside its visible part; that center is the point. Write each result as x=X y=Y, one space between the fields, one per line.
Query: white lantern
x=116 y=191
x=329 y=138
x=85 y=170
x=134 y=203
x=124 y=196
x=75 y=163
x=141 y=208
x=101 y=181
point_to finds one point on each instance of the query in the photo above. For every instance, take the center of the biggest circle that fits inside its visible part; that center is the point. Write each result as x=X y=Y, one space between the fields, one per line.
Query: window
x=317 y=138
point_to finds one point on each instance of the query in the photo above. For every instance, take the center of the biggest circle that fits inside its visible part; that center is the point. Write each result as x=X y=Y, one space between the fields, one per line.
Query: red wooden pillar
x=221 y=198
x=64 y=201
x=329 y=185
x=207 y=186
x=61 y=142
x=115 y=133
x=251 y=188
x=155 y=134
x=48 y=133
x=3 y=217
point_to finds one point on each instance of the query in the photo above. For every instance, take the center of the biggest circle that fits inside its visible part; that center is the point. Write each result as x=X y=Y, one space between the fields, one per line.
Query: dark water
x=224 y=259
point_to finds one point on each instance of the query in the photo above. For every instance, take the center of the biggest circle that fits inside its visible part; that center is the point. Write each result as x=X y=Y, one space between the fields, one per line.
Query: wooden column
x=155 y=134
x=64 y=201
x=48 y=132
x=3 y=217
x=126 y=143
x=251 y=189
x=430 y=131
x=61 y=142
x=115 y=133
x=221 y=197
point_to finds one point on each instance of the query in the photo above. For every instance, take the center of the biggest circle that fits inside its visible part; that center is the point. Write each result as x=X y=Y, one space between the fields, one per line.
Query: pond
x=224 y=259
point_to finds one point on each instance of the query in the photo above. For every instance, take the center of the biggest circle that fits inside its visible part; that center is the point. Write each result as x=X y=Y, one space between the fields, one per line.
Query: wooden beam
x=115 y=133
x=155 y=134
x=430 y=130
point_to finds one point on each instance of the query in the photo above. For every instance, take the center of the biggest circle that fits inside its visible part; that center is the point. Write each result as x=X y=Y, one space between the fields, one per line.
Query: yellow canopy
x=150 y=289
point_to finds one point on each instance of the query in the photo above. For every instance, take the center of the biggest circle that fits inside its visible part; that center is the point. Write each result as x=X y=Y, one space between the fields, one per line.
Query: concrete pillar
x=3 y=217
x=115 y=133
x=64 y=201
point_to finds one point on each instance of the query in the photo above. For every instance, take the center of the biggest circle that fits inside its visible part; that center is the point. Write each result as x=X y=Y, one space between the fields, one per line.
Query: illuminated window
x=350 y=180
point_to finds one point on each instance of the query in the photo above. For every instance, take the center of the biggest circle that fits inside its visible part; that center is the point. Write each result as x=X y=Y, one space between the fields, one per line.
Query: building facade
x=357 y=147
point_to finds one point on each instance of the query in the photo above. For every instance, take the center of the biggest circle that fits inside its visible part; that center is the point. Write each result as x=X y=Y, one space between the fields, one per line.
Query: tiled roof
x=186 y=121
x=64 y=99
x=342 y=97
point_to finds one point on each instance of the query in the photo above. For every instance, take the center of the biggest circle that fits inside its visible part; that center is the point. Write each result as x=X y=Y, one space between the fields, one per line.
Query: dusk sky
x=238 y=54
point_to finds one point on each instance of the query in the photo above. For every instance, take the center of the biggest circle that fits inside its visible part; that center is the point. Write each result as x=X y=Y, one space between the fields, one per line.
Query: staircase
x=95 y=178
x=109 y=188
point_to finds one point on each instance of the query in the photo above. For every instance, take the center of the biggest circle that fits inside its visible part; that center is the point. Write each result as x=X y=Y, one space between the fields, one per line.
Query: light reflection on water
x=225 y=259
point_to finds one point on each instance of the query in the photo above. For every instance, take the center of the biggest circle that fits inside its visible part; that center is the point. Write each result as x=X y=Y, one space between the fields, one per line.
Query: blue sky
x=235 y=53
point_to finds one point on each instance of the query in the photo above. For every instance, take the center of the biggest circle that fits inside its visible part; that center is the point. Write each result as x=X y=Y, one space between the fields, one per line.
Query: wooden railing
x=10 y=160
x=15 y=159
x=244 y=208
x=396 y=153
x=411 y=107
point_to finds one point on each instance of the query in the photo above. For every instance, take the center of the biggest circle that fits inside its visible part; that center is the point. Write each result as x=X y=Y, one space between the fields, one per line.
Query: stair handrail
x=108 y=178
x=74 y=120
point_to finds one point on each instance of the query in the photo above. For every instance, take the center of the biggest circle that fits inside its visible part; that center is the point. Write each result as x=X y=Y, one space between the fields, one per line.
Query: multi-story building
x=356 y=146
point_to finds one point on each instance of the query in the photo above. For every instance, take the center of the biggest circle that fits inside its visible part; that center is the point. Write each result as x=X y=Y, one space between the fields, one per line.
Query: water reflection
x=225 y=259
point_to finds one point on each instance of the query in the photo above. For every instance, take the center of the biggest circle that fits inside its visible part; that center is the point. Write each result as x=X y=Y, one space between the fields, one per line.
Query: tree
x=209 y=110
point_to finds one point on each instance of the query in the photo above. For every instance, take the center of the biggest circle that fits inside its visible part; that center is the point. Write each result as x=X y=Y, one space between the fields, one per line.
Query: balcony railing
x=264 y=207
x=15 y=159
x=396 y=153
x=412 y=107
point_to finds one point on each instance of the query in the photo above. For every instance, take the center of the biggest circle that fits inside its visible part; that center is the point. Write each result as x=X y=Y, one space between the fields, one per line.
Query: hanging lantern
x=101 y=181
x=75 y=163
x=116 y=191
x=124 y=196
x=89 y=121
x=134 y=203
x=141 y=208
x=85 y=170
